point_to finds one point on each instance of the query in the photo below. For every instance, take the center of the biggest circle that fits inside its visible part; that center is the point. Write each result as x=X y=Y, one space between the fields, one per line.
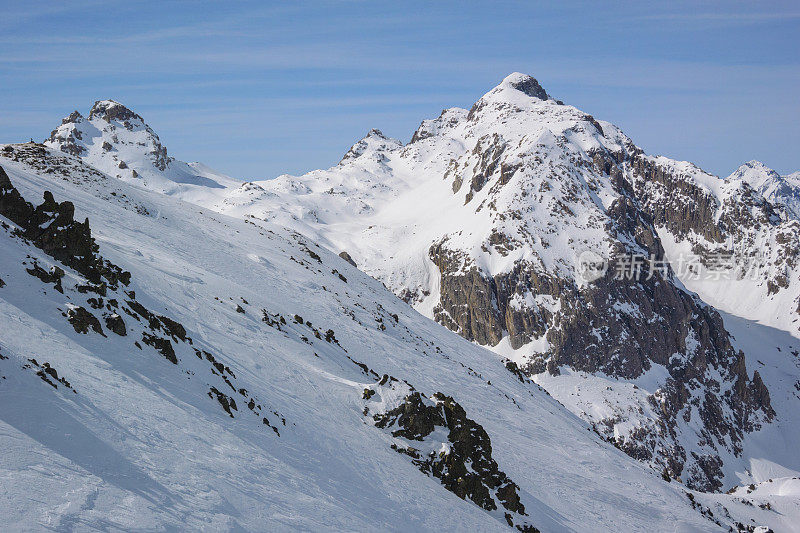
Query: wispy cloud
x=733 y=18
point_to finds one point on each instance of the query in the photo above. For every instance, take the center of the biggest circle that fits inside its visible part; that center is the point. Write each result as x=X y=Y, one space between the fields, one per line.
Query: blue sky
x=256 y=89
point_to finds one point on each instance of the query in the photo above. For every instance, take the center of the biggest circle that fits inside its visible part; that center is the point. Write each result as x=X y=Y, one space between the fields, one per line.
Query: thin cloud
x=737 y=18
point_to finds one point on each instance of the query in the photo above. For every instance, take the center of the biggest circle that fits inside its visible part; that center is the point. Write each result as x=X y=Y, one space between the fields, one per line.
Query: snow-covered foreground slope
x=126 y=433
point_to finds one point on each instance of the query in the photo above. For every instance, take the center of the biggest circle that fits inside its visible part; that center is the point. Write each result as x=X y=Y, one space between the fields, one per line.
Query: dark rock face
x=687 y=207
x=479 y=307
x=620 y=327
x=51 y=227
x=227 y=402
x=467 y=468
x=73 y=117
x=159 y=155
x=466 y=304
x=116 y=324
x=346 y=257
x=82 y=320
x=489 y=151
x=666 y=322
x=48 y=374
x=162 y=346
x=158 y=323
x=54 y=276
x=69 y=143
x=173 y=328
x=110 y=111
x=531 y=87
x=414 y=419
x=12 y=205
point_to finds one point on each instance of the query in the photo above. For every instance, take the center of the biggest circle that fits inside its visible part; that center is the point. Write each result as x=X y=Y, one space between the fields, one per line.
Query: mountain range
x=618 y=337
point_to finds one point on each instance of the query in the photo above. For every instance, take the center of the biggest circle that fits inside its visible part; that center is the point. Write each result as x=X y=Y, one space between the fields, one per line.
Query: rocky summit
x=118 y=142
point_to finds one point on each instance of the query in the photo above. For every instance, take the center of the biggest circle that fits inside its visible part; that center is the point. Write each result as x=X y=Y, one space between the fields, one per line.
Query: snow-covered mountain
x=481 y=221
x=167 y=367
x=118 y=142
x=781 y=191
x=486 y=221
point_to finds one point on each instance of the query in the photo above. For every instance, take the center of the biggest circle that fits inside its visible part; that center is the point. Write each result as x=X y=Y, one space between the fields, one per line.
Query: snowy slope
x=136 y=441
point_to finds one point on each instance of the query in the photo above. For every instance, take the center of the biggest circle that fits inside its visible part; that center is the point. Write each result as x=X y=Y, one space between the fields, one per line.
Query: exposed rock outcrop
x=52 y=228
x=463 y=463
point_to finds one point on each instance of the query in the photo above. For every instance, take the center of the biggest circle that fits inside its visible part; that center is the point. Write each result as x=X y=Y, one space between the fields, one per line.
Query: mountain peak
x=375 y=132
x=113 y=139
x=116 y=141
x=110 y=110
x=373 y=142
x=755 y=173
x=73 y=118
x=755 y=164
x=782 y=191
x=525 y=84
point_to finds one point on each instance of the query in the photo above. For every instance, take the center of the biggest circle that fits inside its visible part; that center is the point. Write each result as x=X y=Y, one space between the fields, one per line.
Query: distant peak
x=753 y=163
x=373 y=141
x=377 y=138
x=752 y=170
x=109 y=110
x=525 y=84
x=73 y=118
